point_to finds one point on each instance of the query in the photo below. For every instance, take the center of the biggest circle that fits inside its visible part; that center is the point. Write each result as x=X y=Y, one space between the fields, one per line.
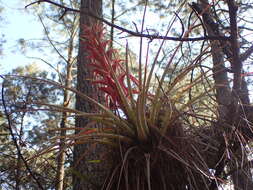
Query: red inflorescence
x=106 y=66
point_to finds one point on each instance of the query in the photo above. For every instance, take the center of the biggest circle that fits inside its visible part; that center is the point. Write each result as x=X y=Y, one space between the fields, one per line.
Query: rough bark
x=86 y=175
x=223 y=92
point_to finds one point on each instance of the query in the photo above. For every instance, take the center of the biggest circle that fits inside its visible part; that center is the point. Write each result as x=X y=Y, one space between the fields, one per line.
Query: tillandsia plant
x=144 y=120
x=150 y=123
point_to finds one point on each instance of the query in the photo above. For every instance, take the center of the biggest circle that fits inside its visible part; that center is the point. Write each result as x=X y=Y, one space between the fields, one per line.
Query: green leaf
x=94 y=161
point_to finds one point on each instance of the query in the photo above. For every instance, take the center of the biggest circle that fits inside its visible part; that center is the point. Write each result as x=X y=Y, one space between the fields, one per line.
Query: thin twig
x=182 y=24
x=50 y=41
x=246 y=54
x=132 y=33
x=197 y=12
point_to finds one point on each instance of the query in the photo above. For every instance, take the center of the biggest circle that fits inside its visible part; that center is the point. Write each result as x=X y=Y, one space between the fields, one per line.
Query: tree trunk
x=228 y=111
x=86 y=175
x=66 y=100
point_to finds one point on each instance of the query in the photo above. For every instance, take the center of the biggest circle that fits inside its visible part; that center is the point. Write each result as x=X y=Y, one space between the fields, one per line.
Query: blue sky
x=17 y=24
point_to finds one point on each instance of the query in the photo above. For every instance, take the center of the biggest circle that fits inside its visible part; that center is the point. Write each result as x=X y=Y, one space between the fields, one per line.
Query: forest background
x=39 y=139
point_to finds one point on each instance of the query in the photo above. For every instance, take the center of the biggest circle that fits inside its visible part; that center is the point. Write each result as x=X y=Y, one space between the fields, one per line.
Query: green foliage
x=30 y=126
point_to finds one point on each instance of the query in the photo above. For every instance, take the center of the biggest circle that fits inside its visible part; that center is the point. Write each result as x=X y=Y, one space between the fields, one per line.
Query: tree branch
x=132 y=33
x=236 y=63
x=246 y=54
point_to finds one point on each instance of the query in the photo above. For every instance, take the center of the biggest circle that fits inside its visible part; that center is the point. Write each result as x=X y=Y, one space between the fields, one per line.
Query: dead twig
x=132 y=33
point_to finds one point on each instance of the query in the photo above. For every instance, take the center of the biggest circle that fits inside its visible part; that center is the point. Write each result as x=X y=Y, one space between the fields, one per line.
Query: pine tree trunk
x=86 y=175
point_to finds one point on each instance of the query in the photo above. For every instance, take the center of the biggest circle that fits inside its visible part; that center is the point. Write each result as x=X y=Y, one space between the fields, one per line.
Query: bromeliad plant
x=142 y=120
x=116 y=81
x=150 y=124
x=148 y=121
x=141 y=109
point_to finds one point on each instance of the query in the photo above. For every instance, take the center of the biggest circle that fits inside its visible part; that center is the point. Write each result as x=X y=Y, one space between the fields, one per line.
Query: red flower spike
x=105 y=65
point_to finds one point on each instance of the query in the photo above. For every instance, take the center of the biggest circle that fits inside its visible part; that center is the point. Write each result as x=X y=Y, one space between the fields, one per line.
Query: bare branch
x=246 y=54
x=50 y=41
x=132 y=33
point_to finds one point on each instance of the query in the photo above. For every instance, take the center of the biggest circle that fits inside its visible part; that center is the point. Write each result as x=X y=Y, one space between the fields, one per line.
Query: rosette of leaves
x=144 y=119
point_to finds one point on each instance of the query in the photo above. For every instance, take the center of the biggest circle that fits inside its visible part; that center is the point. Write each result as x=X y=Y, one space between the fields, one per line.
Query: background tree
x=18 y=95
x=64 y=53
x=176 y=130
x=57 y=25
